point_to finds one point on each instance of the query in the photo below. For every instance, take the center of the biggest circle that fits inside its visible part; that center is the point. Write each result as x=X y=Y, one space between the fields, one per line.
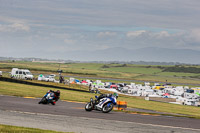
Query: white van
x=0 y=73
x=21 y=74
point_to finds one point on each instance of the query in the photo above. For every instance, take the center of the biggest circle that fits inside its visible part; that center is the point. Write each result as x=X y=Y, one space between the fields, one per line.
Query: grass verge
x=22 y=90
x=15 y=129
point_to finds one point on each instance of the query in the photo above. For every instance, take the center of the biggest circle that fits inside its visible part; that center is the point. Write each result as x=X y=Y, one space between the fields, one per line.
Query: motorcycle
x=48 y=98
x=105 y=104
x=96 y=91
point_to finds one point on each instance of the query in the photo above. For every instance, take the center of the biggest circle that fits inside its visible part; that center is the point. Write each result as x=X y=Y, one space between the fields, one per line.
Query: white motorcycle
x=48 y=98
x=105 y=104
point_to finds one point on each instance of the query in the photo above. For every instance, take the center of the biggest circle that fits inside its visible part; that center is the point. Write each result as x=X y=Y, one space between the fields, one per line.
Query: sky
x=43 y=28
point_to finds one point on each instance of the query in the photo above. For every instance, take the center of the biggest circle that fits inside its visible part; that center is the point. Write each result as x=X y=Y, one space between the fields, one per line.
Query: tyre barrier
x=121 y=105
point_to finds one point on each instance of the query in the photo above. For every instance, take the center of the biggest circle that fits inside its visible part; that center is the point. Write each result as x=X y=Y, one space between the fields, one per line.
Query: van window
x=17 y=72
x=24 y=73
x=20 y=72
x=28 y=73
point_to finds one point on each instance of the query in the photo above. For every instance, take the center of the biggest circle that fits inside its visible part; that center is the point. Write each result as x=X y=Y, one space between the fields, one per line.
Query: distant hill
x=144 y=54
x=150 y=56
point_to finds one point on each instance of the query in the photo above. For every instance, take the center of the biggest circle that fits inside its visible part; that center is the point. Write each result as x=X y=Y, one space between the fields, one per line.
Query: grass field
x=128 y=71
x=15 y=89
x=15 y=129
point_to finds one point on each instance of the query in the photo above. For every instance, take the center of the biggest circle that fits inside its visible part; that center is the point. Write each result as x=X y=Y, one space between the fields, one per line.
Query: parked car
x=0 y=73
x=52 y=75
x=50 y=78
x=192 y=102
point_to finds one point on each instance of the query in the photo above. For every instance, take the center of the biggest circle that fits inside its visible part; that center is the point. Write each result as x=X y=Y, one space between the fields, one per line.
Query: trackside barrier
x=115 y=107
x=121 y=105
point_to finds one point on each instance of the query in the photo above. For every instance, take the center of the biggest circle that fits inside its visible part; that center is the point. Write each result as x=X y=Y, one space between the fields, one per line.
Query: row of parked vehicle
x=176 y=94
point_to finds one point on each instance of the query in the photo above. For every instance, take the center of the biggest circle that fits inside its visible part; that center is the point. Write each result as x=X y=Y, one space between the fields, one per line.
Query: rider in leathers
x=105 y=95
x=55 y=95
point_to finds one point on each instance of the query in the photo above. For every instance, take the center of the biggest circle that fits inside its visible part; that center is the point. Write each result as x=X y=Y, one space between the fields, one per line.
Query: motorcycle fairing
x=102 y=102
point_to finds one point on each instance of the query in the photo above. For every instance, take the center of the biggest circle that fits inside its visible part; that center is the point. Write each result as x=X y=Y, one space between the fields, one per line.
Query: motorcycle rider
x=54 y=96
x=105 y=95
x=57 y=95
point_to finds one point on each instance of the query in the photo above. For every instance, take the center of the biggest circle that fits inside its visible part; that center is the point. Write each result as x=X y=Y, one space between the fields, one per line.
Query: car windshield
x=28 y=73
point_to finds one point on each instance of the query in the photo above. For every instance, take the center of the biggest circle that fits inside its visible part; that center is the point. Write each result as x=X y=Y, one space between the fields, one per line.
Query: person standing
x=90 y=85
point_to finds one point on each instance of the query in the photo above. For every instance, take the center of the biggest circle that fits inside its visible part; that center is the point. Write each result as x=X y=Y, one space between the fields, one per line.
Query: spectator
x=61 y=79
x=90 y=87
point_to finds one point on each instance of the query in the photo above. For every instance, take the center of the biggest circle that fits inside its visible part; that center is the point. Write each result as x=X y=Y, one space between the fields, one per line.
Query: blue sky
x=29 y=27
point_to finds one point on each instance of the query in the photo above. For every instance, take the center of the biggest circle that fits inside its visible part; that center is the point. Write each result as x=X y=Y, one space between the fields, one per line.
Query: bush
x=182 y=69
x=105 y=66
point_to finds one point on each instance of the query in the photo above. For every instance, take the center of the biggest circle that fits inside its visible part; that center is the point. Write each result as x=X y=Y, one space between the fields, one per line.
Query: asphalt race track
x=72 y=117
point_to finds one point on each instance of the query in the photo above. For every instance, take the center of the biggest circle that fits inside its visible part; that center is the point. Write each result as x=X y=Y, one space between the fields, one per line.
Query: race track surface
x=72 y=117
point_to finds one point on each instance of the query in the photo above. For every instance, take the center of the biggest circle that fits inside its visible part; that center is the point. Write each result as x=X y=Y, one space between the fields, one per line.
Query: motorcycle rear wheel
x=88 y=107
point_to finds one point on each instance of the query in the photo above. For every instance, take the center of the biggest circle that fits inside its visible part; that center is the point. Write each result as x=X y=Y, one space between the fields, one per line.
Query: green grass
x=169 y=79
x=16 y=129
x=136 y=70
x=162 y=107
x=91 y=66
x=178 y=74
x=15 y=89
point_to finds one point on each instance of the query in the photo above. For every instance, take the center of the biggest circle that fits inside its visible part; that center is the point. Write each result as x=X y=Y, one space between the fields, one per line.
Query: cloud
x=60 y=35
x=195 y=35
x=14 y=27
x=106 y=34
x=148 y=34
x=135 y=33
x=11 y=20
x=69 y=41
x=162 y=34
x=20 y=26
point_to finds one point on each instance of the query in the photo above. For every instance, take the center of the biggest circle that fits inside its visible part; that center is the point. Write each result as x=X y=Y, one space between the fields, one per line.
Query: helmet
x=115 y=95
x=108 y=95
x=57 y=93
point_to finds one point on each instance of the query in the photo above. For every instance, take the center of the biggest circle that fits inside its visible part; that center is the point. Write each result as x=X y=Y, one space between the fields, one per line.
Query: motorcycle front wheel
x=43 y=101
x=107 y=107
x=88 y=107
